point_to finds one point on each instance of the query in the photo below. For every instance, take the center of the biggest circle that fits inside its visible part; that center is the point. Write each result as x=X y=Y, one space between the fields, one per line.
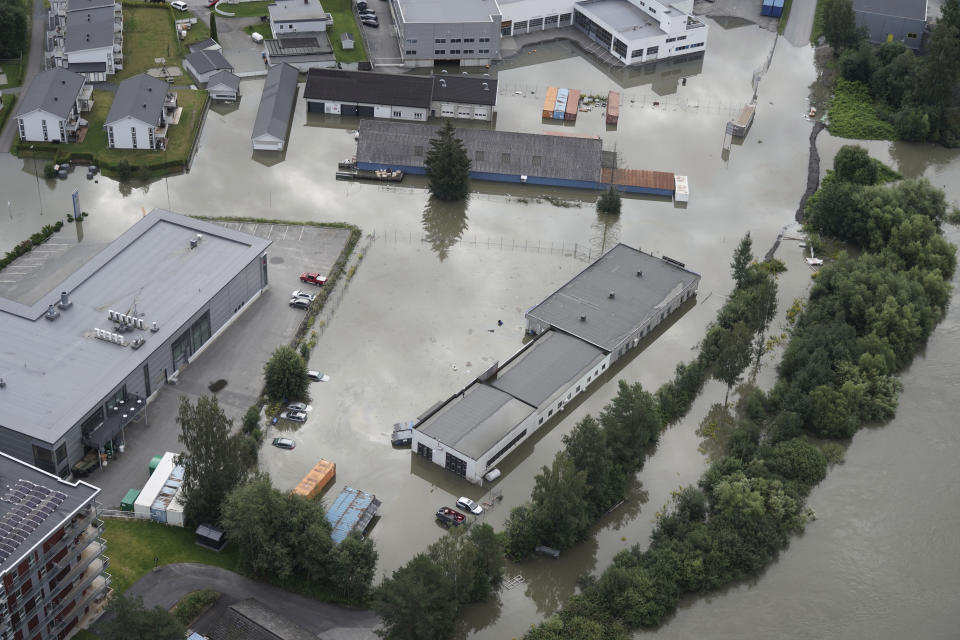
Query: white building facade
x=288 y=17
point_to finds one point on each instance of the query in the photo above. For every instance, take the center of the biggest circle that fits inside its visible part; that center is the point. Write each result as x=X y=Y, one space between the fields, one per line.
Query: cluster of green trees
x=423 y=598
x=285 y=538
x=601 y=455
x=916 y=94
x=865 y=319
x=14 y=38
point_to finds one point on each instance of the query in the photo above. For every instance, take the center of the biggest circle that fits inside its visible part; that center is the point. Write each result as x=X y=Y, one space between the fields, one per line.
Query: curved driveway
x=166 y=585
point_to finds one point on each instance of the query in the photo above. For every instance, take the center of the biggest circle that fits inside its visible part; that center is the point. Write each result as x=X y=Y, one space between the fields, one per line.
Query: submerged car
x=294 y=416
x=296 y=406
x=470 y=505
x=317 y=376
x=284 y=443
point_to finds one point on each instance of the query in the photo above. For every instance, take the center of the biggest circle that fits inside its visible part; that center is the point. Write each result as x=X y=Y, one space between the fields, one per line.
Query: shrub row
x=34 y=241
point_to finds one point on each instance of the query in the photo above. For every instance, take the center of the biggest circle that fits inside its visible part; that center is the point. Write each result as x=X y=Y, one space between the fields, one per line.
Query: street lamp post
x=141 y=403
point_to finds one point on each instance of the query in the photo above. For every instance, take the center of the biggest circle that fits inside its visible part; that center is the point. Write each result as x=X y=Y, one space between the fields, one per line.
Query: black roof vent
x=583 y=318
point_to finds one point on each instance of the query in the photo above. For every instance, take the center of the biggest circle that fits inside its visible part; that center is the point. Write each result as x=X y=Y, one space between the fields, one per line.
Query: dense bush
x=35 y=240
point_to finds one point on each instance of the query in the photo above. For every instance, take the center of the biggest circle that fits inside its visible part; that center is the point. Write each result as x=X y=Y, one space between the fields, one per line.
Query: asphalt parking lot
x=236 y=356
x=382 y=44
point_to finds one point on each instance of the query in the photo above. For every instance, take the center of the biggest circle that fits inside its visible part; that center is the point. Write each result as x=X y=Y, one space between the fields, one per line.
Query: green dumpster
x=154 y=463
x=127 y=503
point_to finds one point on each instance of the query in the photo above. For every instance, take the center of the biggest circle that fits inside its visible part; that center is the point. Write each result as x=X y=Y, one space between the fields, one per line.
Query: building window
x=566 y=18
x=578 y=388
x=537 y=160
x=592 y=29
x=110 y=136
x=410 y=52
x=484 y=51
x=397 y=114
x=190 y=341
x=536 y=23
x=454 y=51
x=541 y=420
x=507 y=447
x=440 y=41
x=550 y=413
x=620 y=48
x=439 y=52
x=604 y=366
x=636 y=53
x=43 y=123
x=505 y=158
x=478 y=156
x=418 y=151
x=468 y=50
x=455 y=464
x=652 y=10
x=425 y=451
x=652 y=50
x=568 y=396
x=484 y=39
x=22 y=131
x=418 y=116
x=681 y=37
x=61 y=453
x=133 y=136
x=671 y=39
x=912 y=35
x=452 y=40
x=43 y=459
x=469 y=39
x=551 y=21
x=411 y=41
x=696 y=44
x=520 y=25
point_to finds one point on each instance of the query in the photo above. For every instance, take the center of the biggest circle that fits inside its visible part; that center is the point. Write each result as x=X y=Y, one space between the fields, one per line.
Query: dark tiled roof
x=372 y=88
x=404 y=143
x=465 y=89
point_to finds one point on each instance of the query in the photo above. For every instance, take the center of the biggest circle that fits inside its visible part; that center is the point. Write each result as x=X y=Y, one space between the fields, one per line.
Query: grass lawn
x=148 y=33
x=14 y=72
x=247 y=9
x=133 y=544
x=344 y=21
x=7 y=111
x=94 y=145
x=262 y=29
x=852 y=114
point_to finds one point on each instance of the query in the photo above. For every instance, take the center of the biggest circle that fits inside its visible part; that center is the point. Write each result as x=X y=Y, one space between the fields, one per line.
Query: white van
x=179 y=5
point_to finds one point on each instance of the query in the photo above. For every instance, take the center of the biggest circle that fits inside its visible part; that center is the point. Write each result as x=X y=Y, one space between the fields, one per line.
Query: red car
x=313 y=278
x=210 y=5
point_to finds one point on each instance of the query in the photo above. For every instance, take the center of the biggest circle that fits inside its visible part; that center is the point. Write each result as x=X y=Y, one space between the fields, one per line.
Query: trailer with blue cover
x=351 y=511
x=773 y=8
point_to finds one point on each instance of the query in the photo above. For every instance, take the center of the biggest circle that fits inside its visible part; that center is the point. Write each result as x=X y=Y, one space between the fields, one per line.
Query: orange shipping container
x=318 y=478
x=573 y=104
x=550 y=102
x=613 y=107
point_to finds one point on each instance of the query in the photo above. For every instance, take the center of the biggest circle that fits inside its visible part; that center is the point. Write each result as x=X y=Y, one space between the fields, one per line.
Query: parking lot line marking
x=301 y=233
x=270 y=232
x=254 y=232
x=285 y=229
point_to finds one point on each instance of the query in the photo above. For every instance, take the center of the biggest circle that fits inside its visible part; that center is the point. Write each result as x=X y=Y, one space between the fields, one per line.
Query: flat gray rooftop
x=916 y=9
x=475 y=421
x=296 y=11
x=57 y=371
x=609 y=320
x=458 y=11
x=551 y=364
x=630 y=22
x=28 y=494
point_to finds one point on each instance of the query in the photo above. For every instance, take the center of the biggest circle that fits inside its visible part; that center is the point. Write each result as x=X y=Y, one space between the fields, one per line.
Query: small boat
x=349 y=163
x=450 y=517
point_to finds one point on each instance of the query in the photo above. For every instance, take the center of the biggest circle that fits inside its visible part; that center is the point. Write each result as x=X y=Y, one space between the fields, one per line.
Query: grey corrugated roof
x=553 y=362
x=465 y=89
x=151 y=266
x=915 y=9
x=397 y=143
x=610 y=320
x=276 y=104
x=74 y=495
x=89 y=29
x=80 y=5
x=225 y=78
x=250 y=619
x=54 y=91
x=208 y=60
x=371 y=88
x=140 y=97
x=475 y=421
x=445 y=11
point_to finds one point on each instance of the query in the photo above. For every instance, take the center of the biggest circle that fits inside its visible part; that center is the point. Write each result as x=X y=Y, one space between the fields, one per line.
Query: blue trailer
x=773 y=8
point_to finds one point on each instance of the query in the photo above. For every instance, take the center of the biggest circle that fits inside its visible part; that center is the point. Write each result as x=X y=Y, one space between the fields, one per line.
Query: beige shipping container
x=550 y=102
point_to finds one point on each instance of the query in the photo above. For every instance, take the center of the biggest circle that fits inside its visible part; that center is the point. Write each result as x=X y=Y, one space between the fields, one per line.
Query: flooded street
x=420 y=321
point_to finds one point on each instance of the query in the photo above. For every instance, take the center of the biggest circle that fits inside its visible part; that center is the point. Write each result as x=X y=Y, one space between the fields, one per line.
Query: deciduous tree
x=560 y=502
x=839 y=24
x=416 y=602
x=128 y=619
x=285 y=375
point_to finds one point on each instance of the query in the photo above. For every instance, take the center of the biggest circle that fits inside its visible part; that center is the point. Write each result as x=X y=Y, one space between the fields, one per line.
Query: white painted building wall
x=121 y=134
x=31 y=126
x=461 y=111
x=101 y=54
x=267 y=142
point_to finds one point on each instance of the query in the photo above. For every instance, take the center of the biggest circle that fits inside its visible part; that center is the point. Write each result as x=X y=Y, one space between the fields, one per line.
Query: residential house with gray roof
x=49 y=110
x=224 y=86
x=205 y=63
x=276 y=108
x=87 y=38
x=141 y=114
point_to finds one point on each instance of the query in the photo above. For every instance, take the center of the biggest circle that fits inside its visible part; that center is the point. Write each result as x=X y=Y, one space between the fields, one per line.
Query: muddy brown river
x=420 y=319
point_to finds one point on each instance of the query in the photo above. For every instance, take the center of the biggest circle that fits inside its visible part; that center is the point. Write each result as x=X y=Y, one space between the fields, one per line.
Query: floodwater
x=420 y=320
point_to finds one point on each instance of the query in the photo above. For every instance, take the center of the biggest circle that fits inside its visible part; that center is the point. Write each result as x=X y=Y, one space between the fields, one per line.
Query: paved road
x=800 y=22
x=166 y=585
x=34 y=66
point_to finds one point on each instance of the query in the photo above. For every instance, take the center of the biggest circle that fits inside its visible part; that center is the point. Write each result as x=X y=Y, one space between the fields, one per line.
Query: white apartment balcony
x=85 y=99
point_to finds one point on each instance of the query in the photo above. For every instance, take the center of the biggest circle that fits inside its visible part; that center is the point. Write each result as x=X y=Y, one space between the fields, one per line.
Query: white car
x=317 y=376
x=303 y=294
x=294 y=416
x=470 y=505
x=179 y=5
x=296 y=406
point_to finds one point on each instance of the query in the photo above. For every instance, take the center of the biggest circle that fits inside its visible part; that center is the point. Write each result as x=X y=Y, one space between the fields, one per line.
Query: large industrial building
x=431 y=31
x=53 y=577
x=582 y=328
x=79 y=364
x=892 y=20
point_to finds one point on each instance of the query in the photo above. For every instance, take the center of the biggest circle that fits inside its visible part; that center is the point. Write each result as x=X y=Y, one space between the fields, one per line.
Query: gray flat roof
x=276 y=103
x=551 y=364
x=80 y=5
x=475 y=421
x=55 y=91
x=916 y=9
x=89 y=29
x=296 y=10
x=439 y=11
x=636 y=298
x=631 y=23
x=57 y=372
x=139 y=97
x=397 y=143
x=27 y=494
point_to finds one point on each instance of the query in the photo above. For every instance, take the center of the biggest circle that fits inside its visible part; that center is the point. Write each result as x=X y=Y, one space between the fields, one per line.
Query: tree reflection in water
x=444 y=222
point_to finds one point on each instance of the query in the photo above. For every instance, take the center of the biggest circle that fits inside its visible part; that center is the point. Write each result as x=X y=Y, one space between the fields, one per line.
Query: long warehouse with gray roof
x=81 y=358
x=581 y=329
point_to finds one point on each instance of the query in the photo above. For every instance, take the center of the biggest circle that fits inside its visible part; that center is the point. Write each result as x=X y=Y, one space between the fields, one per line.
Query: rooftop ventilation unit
x=674 y=262
x=111 y=314
x=65 y=302
x=485 y=86
x=639 y=274
x=613 y=294
x=108 y=336
x=155 y=327
x=583 y=318
x=443 y=83
x=52 y=313
x=139 y=322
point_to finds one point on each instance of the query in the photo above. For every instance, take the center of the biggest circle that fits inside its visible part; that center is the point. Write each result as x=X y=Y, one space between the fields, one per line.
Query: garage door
x=315 y=107
x=365 y=112
x=348 y=109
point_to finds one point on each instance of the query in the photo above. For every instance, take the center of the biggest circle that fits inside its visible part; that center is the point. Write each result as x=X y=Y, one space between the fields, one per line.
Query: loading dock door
x=348 y=109
x=315 y=107
x=365 y=112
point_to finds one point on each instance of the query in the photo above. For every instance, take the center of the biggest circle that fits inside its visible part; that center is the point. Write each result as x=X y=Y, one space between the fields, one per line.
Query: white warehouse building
x=582 y=328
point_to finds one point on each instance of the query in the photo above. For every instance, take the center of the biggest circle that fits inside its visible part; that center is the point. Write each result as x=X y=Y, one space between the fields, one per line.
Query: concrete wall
x=32 y=126
x=123 y=133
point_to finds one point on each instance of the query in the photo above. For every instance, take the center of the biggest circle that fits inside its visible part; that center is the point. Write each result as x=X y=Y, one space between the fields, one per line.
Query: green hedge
x=8 y=101
x=33 y=241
